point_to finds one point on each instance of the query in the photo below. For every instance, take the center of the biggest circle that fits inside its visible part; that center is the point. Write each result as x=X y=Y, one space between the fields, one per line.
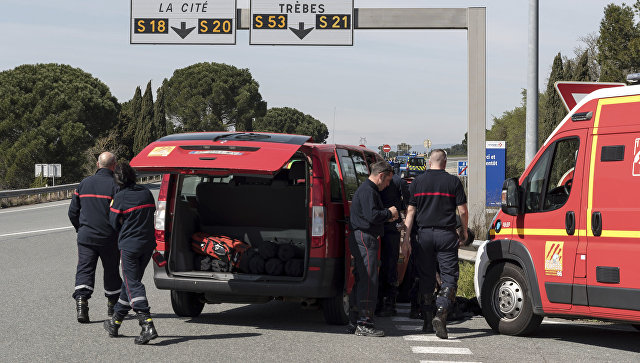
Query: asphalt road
x=37 y=320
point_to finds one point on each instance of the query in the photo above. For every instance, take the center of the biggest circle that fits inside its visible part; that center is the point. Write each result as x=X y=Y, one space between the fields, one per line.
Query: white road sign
x=301 y=22
x=49 y=170
x=180 y=22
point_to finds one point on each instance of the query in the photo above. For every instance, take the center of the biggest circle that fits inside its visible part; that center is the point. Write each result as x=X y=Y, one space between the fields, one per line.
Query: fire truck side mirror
x=511 y=197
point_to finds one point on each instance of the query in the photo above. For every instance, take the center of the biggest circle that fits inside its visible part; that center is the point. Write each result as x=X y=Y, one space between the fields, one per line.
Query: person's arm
x=406 y=195
x=74 y=210
x=408 y=222
x=373 y=212
x=115 y=215
x=463 y=212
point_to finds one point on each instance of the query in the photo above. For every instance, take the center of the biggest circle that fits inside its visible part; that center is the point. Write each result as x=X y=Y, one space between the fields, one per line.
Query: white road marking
x=440 y=350
x=443 y=361
x=404 y=311
x=404 y=318
x=409 y=327
x=32 y=208
x=37 y=231
x=431 y=338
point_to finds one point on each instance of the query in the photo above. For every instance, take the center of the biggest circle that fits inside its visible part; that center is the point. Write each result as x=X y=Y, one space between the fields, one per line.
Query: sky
x=391 y=86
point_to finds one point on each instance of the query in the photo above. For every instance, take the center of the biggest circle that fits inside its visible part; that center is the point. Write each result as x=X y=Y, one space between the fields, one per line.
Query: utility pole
x=531 y=145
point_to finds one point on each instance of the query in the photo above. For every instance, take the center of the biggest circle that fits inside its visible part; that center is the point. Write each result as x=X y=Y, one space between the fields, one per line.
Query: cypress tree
x=552 y=108
x=159 y=126
x=143 y=134
x=581 y=72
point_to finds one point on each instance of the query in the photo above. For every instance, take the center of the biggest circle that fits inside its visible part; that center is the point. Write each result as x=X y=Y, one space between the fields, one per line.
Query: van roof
x=598 y=94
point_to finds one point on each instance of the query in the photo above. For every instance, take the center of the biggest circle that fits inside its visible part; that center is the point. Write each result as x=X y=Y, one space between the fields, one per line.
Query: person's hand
x=464 y=235
x=394 y=213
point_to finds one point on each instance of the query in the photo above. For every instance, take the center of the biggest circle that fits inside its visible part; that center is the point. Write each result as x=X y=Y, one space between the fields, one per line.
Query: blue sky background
x=392 y=86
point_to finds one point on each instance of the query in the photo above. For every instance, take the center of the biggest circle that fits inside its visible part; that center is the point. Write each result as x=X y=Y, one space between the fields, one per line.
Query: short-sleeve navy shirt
x=436 y=194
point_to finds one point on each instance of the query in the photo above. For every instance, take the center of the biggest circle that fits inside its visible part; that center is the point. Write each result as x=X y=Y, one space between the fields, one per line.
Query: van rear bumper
x=324 y=279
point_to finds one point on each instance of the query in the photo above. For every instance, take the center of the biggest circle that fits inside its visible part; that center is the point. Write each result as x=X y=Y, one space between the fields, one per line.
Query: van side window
x=334 y=181
x=549 y=182
x=349 y=175
x=561 y=175
x=371 y=158
x=362 y=171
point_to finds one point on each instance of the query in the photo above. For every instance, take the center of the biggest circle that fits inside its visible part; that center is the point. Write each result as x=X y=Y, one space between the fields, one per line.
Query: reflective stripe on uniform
x=122 y=302
x=112 y=292
x=138 y=299
x=84 y=287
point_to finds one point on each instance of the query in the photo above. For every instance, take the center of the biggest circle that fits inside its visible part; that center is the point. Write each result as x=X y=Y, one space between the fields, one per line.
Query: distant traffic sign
x=462 y=168
x=427 y=143
x=288 y=22
x=386 y=148
x=172 y=22
x=573 y=92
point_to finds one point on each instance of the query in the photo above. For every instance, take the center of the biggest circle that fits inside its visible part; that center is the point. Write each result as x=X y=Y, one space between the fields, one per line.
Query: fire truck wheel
x=186 y=303
x=336 y=309
x=506 y=302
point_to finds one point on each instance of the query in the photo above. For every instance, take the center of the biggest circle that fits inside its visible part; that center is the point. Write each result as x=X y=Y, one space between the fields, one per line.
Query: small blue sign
x=495 y=166
x=462 y=168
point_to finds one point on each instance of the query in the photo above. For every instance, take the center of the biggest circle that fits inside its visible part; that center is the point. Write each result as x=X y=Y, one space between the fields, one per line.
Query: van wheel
x=336 y=309
x=186 y=303
x=506 y=304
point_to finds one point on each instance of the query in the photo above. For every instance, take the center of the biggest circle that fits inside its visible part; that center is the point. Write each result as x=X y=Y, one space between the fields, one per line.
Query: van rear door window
x=362 y=171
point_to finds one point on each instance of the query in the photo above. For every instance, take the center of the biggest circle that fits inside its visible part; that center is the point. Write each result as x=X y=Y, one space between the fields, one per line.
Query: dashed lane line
x=431 y=338
x=440 y=350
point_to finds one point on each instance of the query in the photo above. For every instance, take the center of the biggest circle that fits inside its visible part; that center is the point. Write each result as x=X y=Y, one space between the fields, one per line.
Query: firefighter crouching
x=89 y=214
x=132 y=215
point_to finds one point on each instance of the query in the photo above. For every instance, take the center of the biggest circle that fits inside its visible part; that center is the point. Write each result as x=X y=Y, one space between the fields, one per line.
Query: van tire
x=336 y=309
x=187 y=304
x=506 y=301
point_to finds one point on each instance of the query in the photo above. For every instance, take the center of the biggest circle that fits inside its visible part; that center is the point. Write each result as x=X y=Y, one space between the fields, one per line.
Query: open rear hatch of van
x=252 y=187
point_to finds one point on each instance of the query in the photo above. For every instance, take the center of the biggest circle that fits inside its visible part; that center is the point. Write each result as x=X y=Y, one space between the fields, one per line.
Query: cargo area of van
x=268 y=213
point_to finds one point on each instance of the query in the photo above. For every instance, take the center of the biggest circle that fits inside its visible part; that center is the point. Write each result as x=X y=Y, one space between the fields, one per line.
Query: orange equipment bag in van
x=223 y=248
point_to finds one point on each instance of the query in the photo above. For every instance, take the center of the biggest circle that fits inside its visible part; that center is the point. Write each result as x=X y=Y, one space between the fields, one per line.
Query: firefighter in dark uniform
x=397 y=195
x=436 y=196
x=367 y=217
x=132 y=215
x=89 y=214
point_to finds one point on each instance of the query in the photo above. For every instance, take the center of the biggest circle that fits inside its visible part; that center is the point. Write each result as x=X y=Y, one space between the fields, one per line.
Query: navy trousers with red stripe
x=133 y=294
x=437 y=248
x=364 y=249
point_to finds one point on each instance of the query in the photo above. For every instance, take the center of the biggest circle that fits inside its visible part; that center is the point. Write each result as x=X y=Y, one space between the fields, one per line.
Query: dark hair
x=124 y=174
x=381 y=167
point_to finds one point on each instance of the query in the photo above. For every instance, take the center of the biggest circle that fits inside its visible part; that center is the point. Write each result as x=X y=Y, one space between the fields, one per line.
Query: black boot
x=82 y=310
x=353 y=322
x=113 y=324
x=379 y=306
x=440 y=323
x=426 y=311
x=416 y=309
x=111 y=302
x=148 y=331
x=366 y=328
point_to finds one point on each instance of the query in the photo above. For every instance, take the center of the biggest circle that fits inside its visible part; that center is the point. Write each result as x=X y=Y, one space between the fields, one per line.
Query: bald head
x=438 y=159
x=106 y=160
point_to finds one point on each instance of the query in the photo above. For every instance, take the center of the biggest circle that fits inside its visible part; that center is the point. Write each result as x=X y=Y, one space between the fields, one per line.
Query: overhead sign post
x=573 y=92
x=300 y=22
x=178 y=22
x=496 y=161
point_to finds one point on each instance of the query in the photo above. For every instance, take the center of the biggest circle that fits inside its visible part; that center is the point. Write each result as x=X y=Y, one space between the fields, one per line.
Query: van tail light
x=317 y=226
x=161 y=212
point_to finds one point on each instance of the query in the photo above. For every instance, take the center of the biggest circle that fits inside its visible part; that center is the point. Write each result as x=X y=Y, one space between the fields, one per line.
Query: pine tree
x=143 y=128
x=552 y=108
x=619 y=41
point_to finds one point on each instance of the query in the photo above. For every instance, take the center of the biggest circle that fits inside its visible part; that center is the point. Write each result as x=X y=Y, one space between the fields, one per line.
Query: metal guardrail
x=35 y=191
x=59 y=190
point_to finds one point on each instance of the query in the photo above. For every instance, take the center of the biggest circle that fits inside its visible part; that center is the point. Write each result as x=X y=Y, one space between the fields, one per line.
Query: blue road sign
x=495 y=166
x=462 y=168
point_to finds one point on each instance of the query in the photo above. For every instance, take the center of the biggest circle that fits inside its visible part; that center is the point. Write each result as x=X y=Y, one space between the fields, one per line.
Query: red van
x=567 y=240
x=258 y=188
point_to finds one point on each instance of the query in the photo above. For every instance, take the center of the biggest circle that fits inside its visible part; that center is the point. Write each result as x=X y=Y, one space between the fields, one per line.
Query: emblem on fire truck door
x=553 y=258
x=636 y=158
